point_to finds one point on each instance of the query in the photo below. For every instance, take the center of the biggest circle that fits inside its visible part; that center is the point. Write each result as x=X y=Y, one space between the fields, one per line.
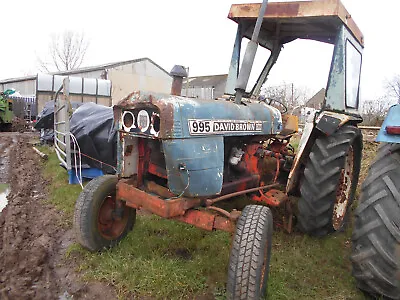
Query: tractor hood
x=176 y=117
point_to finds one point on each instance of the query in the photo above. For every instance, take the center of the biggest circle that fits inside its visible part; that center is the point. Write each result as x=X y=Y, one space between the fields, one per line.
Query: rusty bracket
x=136 y=198
x=272 y=197
x=206 y=220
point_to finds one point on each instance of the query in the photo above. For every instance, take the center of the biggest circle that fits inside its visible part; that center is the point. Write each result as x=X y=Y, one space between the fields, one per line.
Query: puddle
x=4 y=190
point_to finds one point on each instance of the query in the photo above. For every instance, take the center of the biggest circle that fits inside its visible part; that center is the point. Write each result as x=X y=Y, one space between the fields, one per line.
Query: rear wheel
x=329 y=181
x=100 y=221
x=250 y=254
x=376 y=234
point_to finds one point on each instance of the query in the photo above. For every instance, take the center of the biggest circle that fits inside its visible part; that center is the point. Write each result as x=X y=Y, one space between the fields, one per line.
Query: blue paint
x=392 y=119
x=202 y=159
x=87 y=173
x=225 y=110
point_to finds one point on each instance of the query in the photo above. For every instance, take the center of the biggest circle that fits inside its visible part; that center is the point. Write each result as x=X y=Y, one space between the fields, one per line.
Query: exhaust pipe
x=177 y=73
x=249 y=56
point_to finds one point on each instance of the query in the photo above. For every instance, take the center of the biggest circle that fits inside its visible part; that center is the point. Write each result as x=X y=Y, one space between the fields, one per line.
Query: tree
x=66 y=52
x=393 y=87
x=289 y=95
x=374 y=111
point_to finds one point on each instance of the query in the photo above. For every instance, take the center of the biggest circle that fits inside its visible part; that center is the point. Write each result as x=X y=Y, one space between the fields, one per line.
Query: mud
x=33 y=240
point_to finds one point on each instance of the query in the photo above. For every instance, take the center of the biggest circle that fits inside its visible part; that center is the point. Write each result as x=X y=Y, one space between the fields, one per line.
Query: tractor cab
x=280 y=23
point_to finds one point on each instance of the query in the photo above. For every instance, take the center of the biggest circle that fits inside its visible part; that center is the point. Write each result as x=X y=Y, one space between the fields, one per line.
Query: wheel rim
x=110 y=226
x=344 y=190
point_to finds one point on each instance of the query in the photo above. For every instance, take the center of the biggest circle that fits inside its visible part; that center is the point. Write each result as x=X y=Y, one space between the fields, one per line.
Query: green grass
x=61 y=194
x=162 y=259
x=3 y=187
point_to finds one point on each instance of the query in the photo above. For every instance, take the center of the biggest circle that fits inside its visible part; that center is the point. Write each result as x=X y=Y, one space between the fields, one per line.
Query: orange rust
x=272 y=197
x=331 y=13
x=250 y=159
x=136 y=198
x=156 y=170
x=206 y=220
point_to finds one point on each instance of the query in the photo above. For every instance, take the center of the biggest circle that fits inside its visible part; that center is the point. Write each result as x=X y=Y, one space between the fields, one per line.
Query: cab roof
x=315 y=20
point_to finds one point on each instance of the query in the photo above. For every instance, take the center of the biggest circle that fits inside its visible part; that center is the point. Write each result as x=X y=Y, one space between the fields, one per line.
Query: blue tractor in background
x=376 y=233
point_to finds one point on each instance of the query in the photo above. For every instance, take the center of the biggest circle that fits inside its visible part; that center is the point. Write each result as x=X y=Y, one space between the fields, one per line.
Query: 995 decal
x=201 y=127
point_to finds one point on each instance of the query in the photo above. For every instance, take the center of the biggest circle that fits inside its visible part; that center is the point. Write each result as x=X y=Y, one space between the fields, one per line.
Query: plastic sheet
x=93 y=127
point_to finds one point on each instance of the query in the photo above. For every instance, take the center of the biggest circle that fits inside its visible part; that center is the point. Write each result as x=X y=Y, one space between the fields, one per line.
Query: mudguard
x=326 y=122
x=392 y=119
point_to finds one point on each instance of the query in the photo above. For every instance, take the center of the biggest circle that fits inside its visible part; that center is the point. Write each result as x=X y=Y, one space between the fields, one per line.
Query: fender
x=392 y=119
x=326 y=122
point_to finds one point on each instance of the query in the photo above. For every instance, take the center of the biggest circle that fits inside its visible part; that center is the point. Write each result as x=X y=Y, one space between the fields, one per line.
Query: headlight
x=143 y=121
x=128 y=121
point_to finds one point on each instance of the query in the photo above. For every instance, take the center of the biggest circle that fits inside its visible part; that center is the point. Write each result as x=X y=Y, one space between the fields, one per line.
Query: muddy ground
x=33 y=240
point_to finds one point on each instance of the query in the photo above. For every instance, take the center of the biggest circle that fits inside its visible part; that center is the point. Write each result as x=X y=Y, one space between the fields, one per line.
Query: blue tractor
x=181 y=158
x=376 y=233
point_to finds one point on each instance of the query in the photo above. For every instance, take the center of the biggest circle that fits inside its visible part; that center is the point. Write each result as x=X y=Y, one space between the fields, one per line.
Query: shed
x=205 y=87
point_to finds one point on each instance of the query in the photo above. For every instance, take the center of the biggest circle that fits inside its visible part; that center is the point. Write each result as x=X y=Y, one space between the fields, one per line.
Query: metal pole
x=249 y=56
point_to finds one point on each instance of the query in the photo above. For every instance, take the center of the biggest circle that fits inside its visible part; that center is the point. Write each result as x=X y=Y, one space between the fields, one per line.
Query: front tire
x=250 y=254
x=329 y=181
x=376 y=236
x=98 y=222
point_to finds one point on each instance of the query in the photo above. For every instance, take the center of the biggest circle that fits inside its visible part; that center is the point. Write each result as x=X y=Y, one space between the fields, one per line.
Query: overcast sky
x=191 y=33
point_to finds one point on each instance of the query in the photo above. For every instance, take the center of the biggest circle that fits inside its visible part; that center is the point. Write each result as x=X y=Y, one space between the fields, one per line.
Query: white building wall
x=25 y=87
x=142 y=75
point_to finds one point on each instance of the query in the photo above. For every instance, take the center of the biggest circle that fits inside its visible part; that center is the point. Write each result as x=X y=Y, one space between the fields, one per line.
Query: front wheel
x=250 y=254
x=100 y=221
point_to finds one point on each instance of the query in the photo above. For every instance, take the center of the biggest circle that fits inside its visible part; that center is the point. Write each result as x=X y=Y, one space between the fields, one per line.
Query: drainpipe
x=249 y=56
x=177 y=73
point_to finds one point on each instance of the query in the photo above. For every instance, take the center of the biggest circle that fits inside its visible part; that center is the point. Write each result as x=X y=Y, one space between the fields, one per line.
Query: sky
x=196 y=34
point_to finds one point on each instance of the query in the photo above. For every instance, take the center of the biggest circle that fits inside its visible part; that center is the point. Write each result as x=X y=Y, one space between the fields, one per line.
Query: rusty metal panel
x=304 y=19
x=164 y=208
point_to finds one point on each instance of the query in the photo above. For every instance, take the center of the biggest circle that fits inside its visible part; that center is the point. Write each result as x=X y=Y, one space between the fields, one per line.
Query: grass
x=162 y=259
x=3 y=187
x=61 y=194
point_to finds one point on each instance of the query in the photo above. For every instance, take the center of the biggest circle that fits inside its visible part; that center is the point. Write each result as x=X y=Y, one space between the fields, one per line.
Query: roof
x=316 y=20
x=211 y=80
x=86 y=69
x=316 y=100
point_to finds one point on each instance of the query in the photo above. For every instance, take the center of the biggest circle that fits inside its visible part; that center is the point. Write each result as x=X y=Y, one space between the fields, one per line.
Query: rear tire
x=376 y=235
x=250 y=254
x=96 y=224
x=329 y=181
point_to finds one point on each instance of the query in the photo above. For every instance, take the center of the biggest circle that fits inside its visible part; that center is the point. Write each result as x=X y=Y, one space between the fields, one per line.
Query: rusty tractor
x=376 y=233
x=180 y=158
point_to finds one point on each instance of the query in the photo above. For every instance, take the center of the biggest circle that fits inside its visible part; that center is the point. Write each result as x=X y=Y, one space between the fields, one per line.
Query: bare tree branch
x=393 y=87
x=67 y=52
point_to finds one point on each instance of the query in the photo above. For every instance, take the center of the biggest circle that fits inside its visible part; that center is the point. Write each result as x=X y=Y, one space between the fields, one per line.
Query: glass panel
x=353 y=70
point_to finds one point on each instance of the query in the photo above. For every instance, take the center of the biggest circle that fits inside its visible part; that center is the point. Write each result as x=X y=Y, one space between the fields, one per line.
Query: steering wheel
x=283 y=109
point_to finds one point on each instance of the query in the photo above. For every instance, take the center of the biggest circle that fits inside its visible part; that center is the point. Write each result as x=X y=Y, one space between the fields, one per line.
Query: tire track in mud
x=32 y=241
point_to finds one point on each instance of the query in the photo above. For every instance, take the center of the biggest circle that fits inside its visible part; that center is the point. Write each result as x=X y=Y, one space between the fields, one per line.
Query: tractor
x=182 y=158
x=6 y=110
x=376 y=233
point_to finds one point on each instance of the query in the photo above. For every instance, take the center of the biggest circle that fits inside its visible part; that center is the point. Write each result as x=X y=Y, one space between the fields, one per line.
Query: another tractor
x=376 y=233
x=180 y=157
x=6 y=110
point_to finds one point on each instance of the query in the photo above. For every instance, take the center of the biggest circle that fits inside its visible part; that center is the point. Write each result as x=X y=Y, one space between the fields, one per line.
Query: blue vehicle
x=180 y=157
x=376 y=233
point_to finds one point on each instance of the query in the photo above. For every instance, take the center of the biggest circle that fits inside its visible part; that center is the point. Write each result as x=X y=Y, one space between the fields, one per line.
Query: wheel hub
x=343 y=191
x=112 y=218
